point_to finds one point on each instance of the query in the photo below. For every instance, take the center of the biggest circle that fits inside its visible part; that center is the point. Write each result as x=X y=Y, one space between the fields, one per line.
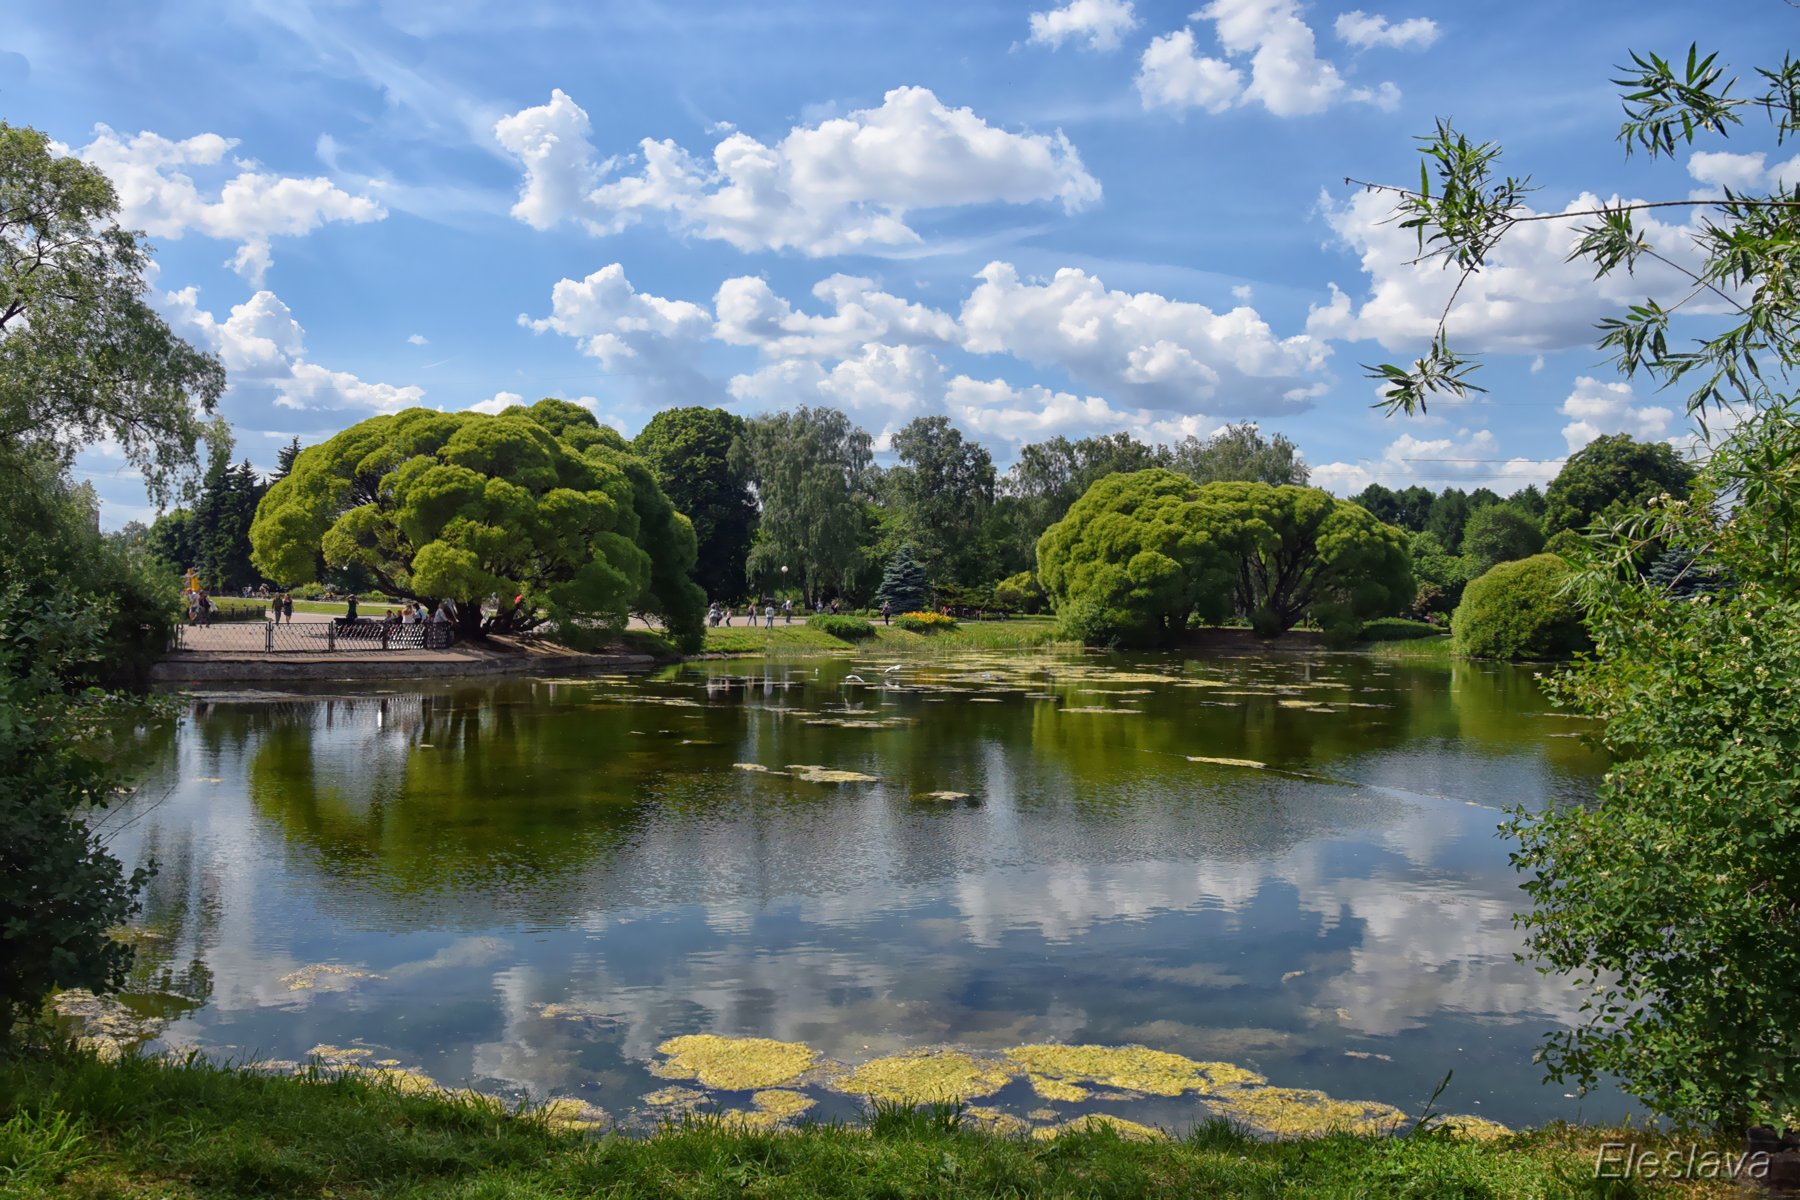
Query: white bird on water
x=854 y=679
x=890 y=670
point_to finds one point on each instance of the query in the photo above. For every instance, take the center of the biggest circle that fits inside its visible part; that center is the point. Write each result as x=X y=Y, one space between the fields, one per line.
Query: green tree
x=1673 y=894
x=689 y=451
x=1500 y=533
x=285 y=459
x=1302 y=551
x=1020 y=593
x=1135 y=558
x=904 y=586
x=811 y=471
x=173 y=540
x=1520 y=609
x=541 y=501
x=1440 y=575
x=1050 y=476
x=219 y=526
x=1612 y=475
x=82 y=357
x=940 y=495
x=1409 y=508
x=1239 y=453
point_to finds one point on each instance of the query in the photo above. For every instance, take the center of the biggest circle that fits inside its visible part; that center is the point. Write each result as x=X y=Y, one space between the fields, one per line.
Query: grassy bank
x=72 y=1128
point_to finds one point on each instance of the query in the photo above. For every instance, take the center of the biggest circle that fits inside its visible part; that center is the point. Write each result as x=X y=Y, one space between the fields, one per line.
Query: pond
x=1283 y=862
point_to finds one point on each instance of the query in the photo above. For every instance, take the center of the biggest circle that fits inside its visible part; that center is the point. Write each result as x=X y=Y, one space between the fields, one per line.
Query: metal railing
x=335 y=636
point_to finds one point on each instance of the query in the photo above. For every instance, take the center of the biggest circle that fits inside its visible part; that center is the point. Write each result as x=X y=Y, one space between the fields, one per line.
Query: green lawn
x=798 y=639
x=73 y=1128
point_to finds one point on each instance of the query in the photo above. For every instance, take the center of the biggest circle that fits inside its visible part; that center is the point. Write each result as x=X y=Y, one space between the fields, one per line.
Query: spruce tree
x=903 y=585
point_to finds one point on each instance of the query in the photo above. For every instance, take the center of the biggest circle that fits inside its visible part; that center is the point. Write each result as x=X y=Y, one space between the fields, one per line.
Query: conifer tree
x=903 y=585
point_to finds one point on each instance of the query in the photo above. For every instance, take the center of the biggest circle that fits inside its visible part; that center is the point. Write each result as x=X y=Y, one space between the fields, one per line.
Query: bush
x=1520 y=610
x=1398 y=629
x=846 y=629
x=924 y=622
x=1020 y=593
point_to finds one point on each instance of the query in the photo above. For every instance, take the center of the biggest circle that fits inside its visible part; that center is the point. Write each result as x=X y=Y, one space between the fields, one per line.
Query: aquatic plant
x=733 y=1064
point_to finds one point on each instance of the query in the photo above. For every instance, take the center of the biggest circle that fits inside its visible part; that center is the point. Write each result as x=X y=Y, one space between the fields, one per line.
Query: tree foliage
x=1302 y=551
x=542 y=501
x=82 y=357
x=940 y=495
x=1134 y=558
x=1500 y=533
x=1239 y=454
x=689 y=451
x=811 y=470
x=1520 y=610
x=1611 y=475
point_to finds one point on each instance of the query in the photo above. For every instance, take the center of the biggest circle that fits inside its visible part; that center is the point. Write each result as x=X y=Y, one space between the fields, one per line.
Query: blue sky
x=1033 y=218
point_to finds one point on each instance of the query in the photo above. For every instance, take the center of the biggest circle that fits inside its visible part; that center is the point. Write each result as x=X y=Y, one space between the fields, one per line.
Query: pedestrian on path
x=769 y=616
x=787 y=612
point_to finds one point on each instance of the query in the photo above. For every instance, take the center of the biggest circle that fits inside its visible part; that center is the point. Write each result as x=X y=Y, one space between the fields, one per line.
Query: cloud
x=1099 y=22
x=1286 y=74
x=497 y=403
x=844 y=185
x=1742 y=172
x=751 y=314
x=1601 y=408
x=1529 y=298
x=419 y=339
x=158 y=193
x=1364 y=30
x=632 y=332
x=1469 y=459
x=1144 y=348
x=262 y=348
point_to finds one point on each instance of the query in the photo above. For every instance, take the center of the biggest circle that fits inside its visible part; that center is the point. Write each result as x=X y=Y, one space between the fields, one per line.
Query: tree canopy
x=82 y=357
x=542 y=501
x=1303 y=551
x=904 y=586
x=1611 y=475
x=1135 y=557
x=689 y=451
x=940 y=495
x=811 y=469
x=1239 y=453
x=1500 y=533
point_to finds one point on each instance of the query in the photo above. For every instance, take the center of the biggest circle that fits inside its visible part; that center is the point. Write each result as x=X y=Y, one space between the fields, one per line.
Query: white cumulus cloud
x=631 y=332
x=751 y=314
x=1099 y=23
x=1598 y=407
x=155 y=178
x=843 y=185
x=1471 y=458
x=1285 y=73
x=1364 y=30
x=263 y=350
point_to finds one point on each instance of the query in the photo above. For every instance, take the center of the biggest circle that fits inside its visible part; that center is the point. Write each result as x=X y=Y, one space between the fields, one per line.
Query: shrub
x=847 y=629
x=1020 y=593
x=1398 y=629
x=924 y=622
x=1520 y=610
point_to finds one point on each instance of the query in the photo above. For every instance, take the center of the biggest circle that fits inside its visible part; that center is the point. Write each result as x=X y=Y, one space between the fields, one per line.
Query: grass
x=74 y=1128
x=799 y=640
x=1423 y=650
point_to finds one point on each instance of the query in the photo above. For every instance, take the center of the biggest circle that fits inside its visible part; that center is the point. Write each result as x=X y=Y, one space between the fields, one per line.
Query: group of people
x=414 y=613
x=721 y=614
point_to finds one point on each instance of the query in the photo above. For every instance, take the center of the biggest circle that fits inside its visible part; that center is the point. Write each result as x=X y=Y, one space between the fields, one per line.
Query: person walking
x=886 y=608
x=787 y=612
x=769 y=616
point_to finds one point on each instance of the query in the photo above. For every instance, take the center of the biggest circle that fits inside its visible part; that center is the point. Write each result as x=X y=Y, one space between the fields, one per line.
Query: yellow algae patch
x=338 y=1056
x=1129 y=1068
x=674 y=1097
x=782 y=1103
x=923 y=1076
x=1057 y=1089
x=817 y=774
x=756 y=768
x=1042 y=1114
x=307 y=978
x=1228 y=762
x=107 y=1026
x=994 y=1121
x=1478 y=1129
x=942 y=796
x=733 y=1064
x=1302 y=1112
x=570 y=1113
x=1089 y=708
x=1131 y=1131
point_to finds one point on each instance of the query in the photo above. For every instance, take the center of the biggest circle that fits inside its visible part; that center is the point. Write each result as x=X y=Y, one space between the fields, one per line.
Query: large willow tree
x=542 y=501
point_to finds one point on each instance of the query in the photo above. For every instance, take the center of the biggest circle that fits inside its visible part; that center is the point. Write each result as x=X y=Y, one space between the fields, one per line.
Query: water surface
x=527 y=886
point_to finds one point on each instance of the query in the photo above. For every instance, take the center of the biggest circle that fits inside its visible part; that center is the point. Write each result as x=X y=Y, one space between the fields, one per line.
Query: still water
x=1284 y=862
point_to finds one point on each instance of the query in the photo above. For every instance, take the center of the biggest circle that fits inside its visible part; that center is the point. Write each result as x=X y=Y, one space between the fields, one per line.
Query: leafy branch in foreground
x=1748 y=244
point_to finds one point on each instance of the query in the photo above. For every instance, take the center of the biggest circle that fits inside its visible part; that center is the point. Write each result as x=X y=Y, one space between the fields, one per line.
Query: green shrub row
x=1398 y=629
x=848 y=629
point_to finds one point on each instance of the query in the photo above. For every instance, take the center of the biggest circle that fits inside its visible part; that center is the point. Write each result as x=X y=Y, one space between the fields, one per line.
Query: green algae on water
x=734 y=1064
x=925 y=1077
